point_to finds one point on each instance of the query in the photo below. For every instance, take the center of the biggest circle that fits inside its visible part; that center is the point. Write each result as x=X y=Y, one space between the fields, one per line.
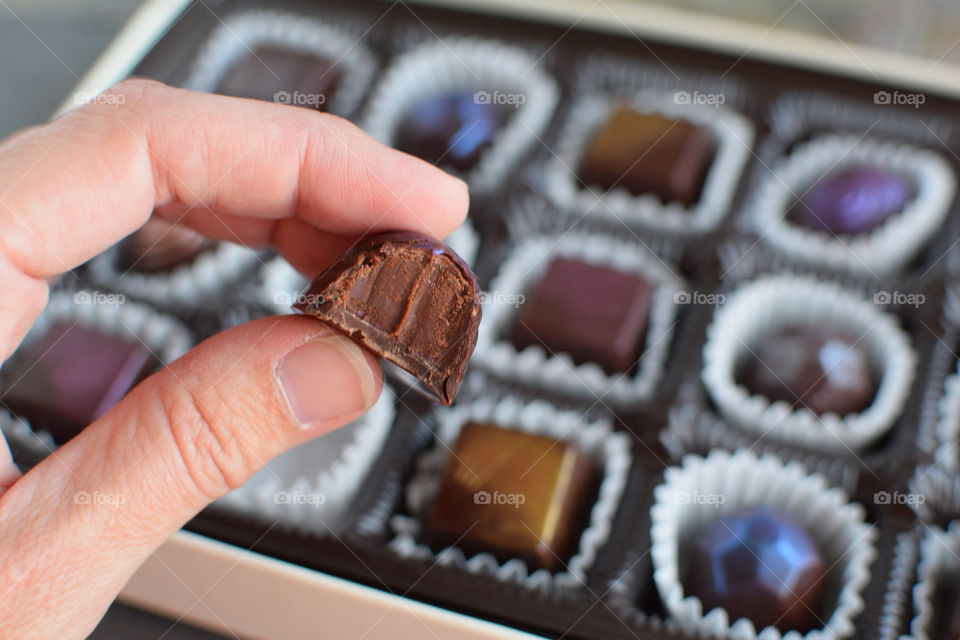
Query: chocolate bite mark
x=407 y=298
x=271 y=70
x=513 y=494
x=590 y=312
x=822 y=369
x=71 y=376
x=647 y=153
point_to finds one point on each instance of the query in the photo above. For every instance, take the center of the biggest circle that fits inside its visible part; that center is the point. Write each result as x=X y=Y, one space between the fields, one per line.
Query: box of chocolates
x=715 y=299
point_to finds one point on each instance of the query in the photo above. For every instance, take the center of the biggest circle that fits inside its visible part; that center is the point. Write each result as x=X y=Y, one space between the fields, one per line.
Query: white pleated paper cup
x=202 y=282
x=311 y=487
x=241 y=33
x=486 y=68
x=609 y=450
x=733 y=136
x=112 y=314
x=885 y=249
x=279 y=285
x=770 y=303
x=939 y=566
x=700 y=491
x=947 y=429
x=520 y=272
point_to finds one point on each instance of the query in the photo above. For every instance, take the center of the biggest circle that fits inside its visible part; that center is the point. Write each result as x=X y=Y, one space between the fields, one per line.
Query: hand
x=240 y=170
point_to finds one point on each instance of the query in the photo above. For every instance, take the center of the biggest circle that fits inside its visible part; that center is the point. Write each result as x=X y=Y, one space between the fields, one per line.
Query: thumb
x=185 y=436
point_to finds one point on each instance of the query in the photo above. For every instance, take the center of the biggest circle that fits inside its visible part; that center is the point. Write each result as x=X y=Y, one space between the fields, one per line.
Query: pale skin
x=251 y=172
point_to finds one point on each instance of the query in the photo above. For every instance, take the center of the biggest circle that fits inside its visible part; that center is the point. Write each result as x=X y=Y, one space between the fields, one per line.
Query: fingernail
x=325 y=378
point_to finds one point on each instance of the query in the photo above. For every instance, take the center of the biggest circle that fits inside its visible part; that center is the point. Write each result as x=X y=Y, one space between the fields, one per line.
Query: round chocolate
x=758 y=565
x=824 y=370
x=160 y=246
x=451 y=130
x=852 y=200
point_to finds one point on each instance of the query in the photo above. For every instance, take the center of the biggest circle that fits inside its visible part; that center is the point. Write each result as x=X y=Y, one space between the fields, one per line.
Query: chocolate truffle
x=822 y=369
x=852 y=200
x=408 y=299
x=71 y=376
x=758 y=565
x=451 y=130
x=592 y=313
x=161 y=246
x=647 y=153
x=513 y=494
x=281 y=75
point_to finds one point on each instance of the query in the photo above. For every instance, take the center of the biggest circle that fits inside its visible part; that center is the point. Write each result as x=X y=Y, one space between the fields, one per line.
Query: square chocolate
x=513 y=494
x=647 y=153
x=590 y=312
x=281 y=75
x=71 y=376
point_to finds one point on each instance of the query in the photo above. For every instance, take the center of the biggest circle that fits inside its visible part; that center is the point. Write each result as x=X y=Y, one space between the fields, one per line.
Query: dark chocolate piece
x=408 y=299
x=821 y=369
x=71 y=376
x=592 y=313
x=513 y=494
x=758 y=565
x=951 y=606
x=281 y=75
x=647 y=153
x=451 y=130
x=161 y=246
x=853 y=200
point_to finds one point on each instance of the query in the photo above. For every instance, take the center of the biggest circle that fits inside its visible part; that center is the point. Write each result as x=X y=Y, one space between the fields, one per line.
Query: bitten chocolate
x=513 y=494
x=407 y=298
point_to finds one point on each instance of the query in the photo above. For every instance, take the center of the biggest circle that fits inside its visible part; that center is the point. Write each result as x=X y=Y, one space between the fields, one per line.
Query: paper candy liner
x=896 y=600
x=241 y=33
x=311 y=487
x=202 y=282
x=280 y=285
x=610 y=452
x=745 y=481
x=766 y=304
x=469 y=65
x=886 y=248
x=521 y=271
x=733 y=136
x=21 y=438
x=939 y=565
x=947 y=429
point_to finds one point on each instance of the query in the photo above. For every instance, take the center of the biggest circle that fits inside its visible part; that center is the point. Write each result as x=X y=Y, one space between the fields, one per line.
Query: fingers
x=187 y=435
x=83 y=182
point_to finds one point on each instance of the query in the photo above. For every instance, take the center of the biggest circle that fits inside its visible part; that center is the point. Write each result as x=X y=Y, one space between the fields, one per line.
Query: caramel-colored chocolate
x=513 y=494
x=408 y=299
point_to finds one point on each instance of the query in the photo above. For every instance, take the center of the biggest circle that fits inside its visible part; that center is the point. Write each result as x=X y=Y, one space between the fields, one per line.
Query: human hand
x=233 y=169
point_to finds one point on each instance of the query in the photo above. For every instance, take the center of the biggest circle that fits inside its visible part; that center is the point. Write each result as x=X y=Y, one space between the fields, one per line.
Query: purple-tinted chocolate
x=852 y=201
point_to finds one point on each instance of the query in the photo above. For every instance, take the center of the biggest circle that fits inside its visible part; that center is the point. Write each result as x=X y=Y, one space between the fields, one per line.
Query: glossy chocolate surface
x=592 y=313
x=818 y=368
x=853 y=200
x=758 y=565
x=647 y=153
x=71 y=376
x=161 y=246
x=282 y=75
x=408 y=299
x=451 y=130
x=513 y=494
